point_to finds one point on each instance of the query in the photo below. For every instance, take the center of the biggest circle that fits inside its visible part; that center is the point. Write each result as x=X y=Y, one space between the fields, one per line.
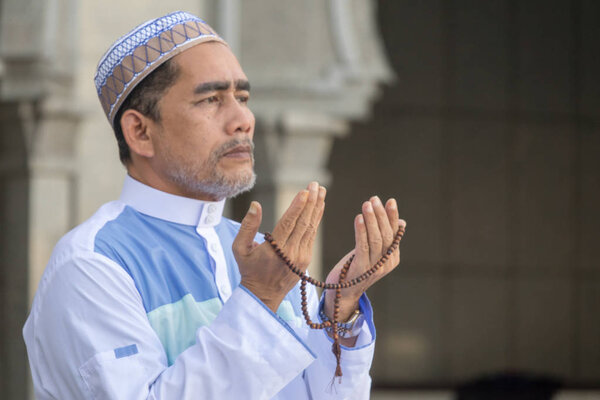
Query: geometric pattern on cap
x=141 y=51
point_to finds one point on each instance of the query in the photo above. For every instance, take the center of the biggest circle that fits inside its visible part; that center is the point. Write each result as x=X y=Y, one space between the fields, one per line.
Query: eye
x=211 y=100
x=243 y=99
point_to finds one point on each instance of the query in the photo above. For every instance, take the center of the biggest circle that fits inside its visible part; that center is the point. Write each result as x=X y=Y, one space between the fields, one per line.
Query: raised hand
x=374 y=231
x=263 y=272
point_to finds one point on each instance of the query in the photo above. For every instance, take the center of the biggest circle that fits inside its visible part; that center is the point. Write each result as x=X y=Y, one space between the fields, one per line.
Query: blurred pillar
x=314 y=66
x=38 y=128
x=291 y=152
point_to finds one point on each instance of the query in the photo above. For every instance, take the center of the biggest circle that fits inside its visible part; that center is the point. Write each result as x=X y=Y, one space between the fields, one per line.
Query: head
x=185 y=127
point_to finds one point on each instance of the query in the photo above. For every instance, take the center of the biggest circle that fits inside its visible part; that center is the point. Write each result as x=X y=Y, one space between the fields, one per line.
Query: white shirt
x=142 y=301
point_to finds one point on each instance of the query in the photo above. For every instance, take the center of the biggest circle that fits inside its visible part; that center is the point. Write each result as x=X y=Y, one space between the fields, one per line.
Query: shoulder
x=84 y=235
x=76 y=272
x=78 y=244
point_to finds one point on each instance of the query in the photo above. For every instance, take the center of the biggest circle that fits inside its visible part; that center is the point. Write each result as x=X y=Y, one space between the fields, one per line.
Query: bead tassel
x=342 y=284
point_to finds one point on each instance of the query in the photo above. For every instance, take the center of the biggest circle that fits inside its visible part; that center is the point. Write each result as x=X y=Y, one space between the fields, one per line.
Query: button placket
x=215 y=251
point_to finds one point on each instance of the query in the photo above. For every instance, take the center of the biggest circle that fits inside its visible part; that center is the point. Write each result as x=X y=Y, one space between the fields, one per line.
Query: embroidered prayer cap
x=135 y=55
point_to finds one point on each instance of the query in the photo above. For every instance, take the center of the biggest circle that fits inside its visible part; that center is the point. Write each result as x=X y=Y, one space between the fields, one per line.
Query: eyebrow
x=240 y=84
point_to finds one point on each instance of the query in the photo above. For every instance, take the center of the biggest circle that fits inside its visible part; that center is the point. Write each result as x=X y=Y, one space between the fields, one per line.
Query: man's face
x=203 y=147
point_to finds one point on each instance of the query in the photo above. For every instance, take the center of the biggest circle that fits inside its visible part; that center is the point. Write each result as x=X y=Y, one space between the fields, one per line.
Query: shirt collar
x=169 y=207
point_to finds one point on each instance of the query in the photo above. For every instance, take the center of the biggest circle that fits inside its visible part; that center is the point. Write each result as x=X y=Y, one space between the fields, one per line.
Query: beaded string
x=342 y=284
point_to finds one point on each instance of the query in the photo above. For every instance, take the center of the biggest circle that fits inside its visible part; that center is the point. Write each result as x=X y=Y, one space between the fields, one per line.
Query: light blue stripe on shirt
x=176 y=323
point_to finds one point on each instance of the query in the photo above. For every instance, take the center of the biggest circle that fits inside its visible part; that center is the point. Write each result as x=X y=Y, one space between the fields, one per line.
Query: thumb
x=244 y=241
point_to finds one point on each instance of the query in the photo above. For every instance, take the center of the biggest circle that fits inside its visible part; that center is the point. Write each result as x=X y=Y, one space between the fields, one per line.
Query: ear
x=137 y=131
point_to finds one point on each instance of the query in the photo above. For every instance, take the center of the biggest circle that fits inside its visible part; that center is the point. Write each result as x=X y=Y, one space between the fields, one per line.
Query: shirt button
x=214 y=247
x=224 y=289
x=212 y=208
x=209 y=220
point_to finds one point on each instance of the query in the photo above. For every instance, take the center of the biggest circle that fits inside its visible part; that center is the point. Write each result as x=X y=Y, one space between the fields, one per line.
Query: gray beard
x=217 y=184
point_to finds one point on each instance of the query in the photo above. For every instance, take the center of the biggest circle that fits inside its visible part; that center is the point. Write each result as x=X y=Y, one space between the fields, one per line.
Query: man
x=157 y=296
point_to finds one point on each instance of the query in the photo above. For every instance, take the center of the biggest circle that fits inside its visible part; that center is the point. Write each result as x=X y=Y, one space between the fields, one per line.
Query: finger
x=244 y=241
x=309 y=236
x=402 y=224
x=402 y=227
x=385 y=228
x=362 y=242
x=303 y=222
x=373 y=234
x=391 y=209
x=286 y=223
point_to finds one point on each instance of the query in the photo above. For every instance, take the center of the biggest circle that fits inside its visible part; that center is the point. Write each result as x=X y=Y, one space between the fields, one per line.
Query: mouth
x=241 y=152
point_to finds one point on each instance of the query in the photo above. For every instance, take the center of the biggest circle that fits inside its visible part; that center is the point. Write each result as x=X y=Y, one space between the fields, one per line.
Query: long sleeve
x=88 y=337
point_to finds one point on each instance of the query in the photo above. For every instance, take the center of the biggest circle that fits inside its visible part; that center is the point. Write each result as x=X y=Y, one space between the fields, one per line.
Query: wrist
x=268 y=299
x=347 y=329
x=348 y=304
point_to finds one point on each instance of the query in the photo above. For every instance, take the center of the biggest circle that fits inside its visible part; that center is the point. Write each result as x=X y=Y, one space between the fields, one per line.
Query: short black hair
x=144 y=98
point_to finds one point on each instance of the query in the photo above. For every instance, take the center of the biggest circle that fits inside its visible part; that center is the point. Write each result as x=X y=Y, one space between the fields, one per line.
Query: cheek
x=196 y=150
x=189 y=135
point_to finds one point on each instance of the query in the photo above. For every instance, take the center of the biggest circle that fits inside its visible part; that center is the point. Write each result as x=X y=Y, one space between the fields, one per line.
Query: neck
x=146 y=175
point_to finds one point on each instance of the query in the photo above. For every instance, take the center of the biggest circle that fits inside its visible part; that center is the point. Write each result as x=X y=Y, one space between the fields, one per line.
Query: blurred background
x=481 y=117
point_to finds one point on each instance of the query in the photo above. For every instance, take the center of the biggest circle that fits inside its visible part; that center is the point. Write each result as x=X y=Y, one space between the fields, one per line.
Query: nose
x=240 y=119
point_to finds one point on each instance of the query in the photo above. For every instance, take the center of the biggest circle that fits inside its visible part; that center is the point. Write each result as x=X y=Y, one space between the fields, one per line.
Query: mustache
x=232 y=144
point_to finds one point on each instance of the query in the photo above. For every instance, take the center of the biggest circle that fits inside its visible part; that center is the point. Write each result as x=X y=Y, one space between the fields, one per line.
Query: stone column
x=291 y=152
x=14 y=236
x=37 y=169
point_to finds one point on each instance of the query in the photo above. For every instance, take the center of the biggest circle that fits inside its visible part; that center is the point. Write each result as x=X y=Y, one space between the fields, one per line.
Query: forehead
x=211 y=61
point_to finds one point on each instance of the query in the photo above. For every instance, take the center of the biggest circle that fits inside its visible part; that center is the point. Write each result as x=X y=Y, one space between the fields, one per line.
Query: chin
x=222 y=186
